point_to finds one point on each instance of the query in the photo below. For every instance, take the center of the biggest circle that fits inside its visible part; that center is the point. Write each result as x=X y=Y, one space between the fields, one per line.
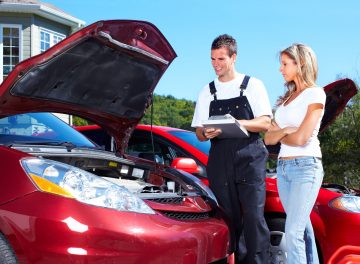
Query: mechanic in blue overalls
x=237 y=166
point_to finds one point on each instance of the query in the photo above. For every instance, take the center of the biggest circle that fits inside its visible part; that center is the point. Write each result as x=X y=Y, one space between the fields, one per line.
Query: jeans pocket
x=307 y=170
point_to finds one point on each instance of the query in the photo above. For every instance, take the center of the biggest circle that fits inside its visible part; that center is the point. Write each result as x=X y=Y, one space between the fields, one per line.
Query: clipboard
x=230 y=127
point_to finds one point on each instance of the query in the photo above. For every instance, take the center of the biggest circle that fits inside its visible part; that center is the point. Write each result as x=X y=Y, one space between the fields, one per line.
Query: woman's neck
x=299 y=86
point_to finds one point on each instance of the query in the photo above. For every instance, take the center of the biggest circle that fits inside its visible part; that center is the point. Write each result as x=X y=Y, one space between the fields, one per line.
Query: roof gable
x=46 y=10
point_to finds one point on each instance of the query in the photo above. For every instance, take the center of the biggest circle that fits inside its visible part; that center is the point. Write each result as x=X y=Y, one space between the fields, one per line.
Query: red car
x=64 y=200
x=336 y=214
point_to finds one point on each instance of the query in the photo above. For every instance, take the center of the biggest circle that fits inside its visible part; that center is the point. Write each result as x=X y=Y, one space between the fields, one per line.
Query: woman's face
x=288 y=68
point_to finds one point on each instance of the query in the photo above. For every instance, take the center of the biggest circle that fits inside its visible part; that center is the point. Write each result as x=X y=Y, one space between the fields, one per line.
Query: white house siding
x=64 y=117
x=51 y=25
x=43 y=23
x=25 y=22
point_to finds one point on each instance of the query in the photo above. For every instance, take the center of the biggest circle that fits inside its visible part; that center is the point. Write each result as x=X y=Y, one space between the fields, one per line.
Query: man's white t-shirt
x=255 y=93
x=293 y=114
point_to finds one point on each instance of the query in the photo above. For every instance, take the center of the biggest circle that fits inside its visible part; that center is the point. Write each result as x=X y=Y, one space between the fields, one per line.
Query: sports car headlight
x=62 y=179
x=346 y=203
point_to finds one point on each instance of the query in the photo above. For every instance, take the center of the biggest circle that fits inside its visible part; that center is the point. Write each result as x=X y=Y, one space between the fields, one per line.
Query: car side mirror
x=186 y=164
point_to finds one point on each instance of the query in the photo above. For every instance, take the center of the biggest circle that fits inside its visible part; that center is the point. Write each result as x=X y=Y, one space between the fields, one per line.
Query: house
x=29 y=27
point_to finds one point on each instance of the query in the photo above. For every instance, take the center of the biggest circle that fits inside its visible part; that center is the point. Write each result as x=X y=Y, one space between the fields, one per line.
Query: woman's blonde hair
x=305 y=59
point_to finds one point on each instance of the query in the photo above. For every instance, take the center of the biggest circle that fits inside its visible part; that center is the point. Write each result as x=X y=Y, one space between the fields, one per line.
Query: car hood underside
x=105 y=73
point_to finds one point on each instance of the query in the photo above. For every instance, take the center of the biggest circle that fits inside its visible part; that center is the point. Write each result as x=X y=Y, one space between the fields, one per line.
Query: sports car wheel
x=277 y=249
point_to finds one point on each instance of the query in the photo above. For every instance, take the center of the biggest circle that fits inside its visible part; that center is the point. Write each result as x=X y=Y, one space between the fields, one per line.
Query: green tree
x=78 y=121
x=169 y=111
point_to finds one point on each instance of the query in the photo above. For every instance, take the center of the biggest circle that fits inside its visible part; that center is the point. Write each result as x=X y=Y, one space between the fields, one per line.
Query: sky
x=261 y=27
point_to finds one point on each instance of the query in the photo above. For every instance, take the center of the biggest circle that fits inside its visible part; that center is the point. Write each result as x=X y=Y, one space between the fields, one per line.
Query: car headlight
x=346 y=203
x=65 y=180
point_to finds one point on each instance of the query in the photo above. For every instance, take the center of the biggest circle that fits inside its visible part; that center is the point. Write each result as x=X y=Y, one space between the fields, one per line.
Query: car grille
x=186 y=216
x=167 y=200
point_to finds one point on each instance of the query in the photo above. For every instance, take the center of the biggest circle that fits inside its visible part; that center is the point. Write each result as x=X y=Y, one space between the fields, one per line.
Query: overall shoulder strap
x=244 y=84
x=213 y=89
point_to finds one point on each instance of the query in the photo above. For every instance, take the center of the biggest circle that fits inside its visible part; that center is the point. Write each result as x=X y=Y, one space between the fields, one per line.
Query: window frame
x=52 y=36
x=2 y=26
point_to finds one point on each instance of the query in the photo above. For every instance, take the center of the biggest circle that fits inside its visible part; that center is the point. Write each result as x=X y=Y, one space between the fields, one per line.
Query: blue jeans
x=298 y=182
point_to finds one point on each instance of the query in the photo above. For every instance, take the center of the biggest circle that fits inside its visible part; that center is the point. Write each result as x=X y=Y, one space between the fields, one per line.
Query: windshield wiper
x=68 y=145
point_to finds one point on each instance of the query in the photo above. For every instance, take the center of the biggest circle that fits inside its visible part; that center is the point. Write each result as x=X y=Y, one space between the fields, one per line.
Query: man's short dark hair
x=227 y=42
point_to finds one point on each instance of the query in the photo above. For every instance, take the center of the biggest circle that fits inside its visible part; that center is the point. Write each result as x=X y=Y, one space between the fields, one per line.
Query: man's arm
x=258 y=124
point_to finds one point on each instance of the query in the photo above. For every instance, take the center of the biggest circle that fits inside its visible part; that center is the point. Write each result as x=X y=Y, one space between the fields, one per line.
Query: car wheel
x=7 y=255
x=277 y=249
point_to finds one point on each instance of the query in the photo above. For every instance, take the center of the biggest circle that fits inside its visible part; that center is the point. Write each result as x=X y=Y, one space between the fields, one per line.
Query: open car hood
x=106 y=73
x=338 y=95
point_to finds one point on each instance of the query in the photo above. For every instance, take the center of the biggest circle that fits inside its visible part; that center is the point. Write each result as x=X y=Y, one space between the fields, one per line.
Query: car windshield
x=39 y=128
x=190 y=137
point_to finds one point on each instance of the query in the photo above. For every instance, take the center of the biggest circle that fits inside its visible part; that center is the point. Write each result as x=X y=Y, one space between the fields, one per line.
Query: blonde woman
x=299 y=171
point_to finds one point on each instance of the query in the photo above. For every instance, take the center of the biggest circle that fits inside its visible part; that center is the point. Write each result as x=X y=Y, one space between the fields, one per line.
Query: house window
x=49 y=39
x=57 y=39
x=10 y=43
x=44 y=41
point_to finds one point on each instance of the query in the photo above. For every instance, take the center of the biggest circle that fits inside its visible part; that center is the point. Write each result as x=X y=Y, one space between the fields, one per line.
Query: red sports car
x=64 y=200
x=336 y=214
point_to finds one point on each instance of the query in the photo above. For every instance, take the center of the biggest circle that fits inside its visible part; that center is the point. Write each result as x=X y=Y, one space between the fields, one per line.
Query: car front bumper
x=45 y=228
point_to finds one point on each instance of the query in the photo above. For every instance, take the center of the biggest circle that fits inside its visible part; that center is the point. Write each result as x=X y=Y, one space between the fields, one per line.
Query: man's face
x=221 y=61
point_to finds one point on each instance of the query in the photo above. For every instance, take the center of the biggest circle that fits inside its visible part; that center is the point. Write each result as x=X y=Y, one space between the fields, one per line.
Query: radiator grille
x=186 y=216
x=167 y=200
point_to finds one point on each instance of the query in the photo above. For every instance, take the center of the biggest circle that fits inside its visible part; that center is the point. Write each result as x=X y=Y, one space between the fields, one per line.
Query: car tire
x=7 y=255
x=277 y=249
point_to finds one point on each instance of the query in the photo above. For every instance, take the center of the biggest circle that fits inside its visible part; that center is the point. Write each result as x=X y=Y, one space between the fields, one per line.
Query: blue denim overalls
x=236 y=170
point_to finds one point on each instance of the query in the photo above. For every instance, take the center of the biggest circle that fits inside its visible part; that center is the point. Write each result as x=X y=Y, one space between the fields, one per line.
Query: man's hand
x=210 y=133
x=204 y=134
x=290 y=130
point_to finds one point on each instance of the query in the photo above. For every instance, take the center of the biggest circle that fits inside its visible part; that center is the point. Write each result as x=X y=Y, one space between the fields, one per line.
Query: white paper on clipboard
x=230 y=127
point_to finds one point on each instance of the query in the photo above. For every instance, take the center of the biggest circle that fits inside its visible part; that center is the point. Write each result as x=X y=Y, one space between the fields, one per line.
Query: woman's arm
x=301 y=136
x=275 y=133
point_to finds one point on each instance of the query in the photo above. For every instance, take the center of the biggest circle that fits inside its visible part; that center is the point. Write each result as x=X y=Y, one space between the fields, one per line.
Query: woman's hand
x=275 y=134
